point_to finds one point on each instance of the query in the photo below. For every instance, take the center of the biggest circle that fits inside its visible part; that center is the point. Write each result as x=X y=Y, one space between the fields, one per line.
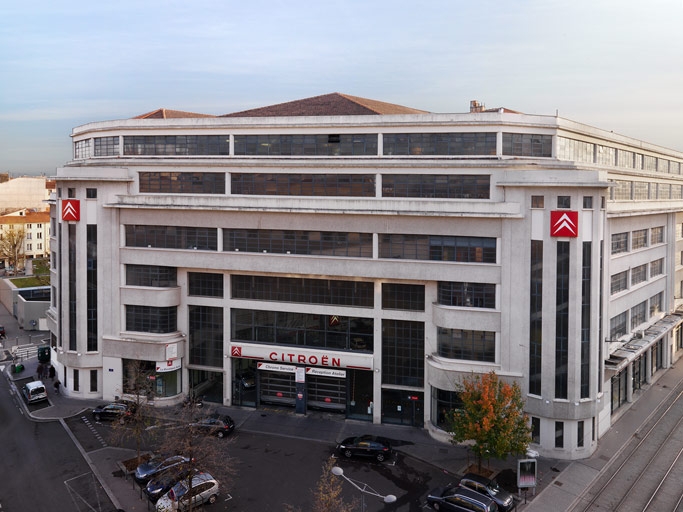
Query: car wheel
x=348 y=454
x=98 y=417
x=220 y=434
x=435 y=506
x=212 y=499
x=380 y=457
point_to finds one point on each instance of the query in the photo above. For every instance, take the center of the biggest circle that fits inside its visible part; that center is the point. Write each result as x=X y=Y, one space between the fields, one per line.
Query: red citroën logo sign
x=564 y=223
x=71 y=209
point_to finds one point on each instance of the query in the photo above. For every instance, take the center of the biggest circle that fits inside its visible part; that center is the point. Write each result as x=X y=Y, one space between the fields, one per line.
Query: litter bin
x=17 y=368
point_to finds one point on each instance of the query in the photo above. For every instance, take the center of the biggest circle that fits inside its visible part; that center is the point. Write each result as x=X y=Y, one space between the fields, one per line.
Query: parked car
x=460 y=499
x=204 y=490
x=216 y=424
x=34 y=391
x=165 y=481
x=148 y=470
x=490 y=488
x=3 y=334
x=115 y=411
x=376 y=447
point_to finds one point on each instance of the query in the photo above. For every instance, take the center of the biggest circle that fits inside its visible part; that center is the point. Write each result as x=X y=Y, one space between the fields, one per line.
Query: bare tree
x=204 y=448
x=12 y=246
x=139 y=386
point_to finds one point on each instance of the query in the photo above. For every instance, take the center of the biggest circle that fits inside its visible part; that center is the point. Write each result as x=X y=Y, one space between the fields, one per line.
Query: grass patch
x=31 y=281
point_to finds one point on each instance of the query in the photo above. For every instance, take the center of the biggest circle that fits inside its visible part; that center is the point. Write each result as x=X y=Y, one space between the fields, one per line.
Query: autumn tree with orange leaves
x=491 y=416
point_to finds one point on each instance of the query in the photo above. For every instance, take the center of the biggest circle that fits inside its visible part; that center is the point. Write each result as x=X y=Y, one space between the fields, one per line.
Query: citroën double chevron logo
x=564 y=223
x=71 y=209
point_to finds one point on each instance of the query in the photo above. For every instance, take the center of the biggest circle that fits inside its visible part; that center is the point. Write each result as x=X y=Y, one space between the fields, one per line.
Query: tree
x=206 y=452
x=492 y=416
x=327 y=495
x=139 y=388
x=12 y=246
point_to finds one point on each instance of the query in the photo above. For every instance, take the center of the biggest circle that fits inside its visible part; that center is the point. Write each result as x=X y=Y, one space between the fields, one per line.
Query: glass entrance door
x=403 y=407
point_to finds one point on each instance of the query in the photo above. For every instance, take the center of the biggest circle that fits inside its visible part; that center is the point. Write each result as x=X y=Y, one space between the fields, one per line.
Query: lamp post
x=363 y=488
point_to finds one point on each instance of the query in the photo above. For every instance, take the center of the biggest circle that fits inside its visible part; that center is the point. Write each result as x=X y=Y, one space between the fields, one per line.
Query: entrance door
x=403 y=407
x=277 y=388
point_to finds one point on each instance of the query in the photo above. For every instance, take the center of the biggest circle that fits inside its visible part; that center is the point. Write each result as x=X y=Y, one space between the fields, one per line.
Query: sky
x=612 y=64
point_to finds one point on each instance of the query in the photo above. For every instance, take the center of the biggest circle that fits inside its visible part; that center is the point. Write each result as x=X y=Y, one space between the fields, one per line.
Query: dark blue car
x=163 y=483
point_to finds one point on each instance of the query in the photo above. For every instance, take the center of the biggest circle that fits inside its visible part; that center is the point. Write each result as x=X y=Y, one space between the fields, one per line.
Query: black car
x=216 y=424
x=3 y=334
x=489 y=488
x=164 y=482
x=379 y=448
x=114 y=411
x=460 y=499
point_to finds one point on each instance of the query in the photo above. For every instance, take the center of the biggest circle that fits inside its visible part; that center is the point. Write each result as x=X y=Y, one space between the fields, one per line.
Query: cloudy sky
x=613 y=64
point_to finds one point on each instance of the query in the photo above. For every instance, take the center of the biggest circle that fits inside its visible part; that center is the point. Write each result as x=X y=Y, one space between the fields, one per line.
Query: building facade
x=350 y=255
x=33 y=227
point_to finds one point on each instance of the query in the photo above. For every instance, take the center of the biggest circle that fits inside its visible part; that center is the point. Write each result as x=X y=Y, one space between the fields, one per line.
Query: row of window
x=366 y=144
x=406 y=297
x=322 y=243
x=302 y=330
x=638 y=239
x=642 y=191
x=586 y=152
x=357 y=144
x=638 y=315
x=563 y=202
x=639 y=274
x=318 y=185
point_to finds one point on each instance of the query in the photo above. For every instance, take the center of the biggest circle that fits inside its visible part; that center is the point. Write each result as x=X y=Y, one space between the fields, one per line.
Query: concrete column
x=629 y=380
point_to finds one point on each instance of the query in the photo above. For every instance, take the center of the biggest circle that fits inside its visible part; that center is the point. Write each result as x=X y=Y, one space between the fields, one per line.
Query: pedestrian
x=56 y=385
x=41 y=370
x=51 y=372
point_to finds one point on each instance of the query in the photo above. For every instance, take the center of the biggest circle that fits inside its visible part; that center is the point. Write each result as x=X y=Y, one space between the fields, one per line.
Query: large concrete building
x=352 y=255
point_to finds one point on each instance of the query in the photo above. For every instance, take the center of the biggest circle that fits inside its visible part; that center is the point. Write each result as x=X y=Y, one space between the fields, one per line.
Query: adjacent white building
x=347 y=254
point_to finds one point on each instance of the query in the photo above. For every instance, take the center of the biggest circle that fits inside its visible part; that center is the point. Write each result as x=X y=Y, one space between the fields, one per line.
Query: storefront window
x=443 y=402
x=208 y=385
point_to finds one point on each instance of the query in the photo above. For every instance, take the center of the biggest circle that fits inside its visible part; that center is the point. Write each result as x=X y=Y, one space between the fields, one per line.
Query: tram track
x=645 y=475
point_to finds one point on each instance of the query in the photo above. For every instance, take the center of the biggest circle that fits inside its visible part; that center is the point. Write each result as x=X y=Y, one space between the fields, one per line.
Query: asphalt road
x=42 y=469
x=279 y=473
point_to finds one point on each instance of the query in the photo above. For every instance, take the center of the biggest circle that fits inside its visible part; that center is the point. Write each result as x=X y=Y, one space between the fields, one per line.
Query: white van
x=34 y=391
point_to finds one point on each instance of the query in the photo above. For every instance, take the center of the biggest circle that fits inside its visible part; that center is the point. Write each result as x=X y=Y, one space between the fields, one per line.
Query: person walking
x=56 y=385
x=51 y=372
x=41 y=371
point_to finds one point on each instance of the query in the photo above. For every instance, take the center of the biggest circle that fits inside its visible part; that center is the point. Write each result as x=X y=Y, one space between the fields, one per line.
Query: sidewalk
x=560 y=483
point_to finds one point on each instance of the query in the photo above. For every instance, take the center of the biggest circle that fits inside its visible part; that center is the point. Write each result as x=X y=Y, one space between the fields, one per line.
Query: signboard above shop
x=319 y=359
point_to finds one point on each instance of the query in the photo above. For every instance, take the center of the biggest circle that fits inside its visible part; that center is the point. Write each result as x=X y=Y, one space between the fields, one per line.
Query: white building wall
x=506 y=216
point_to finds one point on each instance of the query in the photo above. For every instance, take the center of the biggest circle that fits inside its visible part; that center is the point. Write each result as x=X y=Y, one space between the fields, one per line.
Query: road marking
x=92 y=428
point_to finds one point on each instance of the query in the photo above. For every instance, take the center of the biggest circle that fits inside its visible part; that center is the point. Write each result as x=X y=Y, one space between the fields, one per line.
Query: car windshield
x=178 y=491
x=493 y=487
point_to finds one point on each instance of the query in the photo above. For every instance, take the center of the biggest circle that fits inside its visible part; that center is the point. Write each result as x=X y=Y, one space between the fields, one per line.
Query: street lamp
x=363 y=488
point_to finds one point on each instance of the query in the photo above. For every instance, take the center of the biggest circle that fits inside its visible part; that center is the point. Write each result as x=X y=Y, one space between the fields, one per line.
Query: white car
x=204 y=490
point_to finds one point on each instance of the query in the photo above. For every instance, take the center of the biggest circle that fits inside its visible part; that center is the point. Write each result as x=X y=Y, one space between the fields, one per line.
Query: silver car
x=204 y=490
